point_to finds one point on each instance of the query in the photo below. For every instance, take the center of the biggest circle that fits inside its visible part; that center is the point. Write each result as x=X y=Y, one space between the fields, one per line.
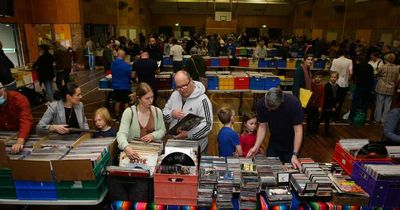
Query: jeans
x=361 y=100
x=382 y=101
x=48 y=85
x=92 y=62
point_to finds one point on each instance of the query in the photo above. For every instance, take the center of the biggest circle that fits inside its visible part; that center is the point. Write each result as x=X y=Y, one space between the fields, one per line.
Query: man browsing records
x=189 y=97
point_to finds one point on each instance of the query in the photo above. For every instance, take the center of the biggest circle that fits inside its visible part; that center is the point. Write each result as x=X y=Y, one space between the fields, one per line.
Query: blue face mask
x=2 y=100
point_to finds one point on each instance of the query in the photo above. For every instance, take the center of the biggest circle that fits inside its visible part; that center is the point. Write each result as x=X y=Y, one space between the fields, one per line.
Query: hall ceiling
x=237 y=7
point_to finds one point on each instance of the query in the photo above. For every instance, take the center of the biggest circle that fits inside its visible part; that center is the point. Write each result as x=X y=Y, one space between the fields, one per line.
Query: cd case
x=188 y=122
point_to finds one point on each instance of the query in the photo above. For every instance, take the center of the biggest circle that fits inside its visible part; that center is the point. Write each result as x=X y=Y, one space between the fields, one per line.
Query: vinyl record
x=373 y=150
x=177 y=158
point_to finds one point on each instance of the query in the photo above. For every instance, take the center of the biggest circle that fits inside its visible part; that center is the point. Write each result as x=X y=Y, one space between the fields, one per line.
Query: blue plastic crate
x=173 y=85
x=36 y=194
x=34 y=185
x=213 y=87
x=215 y=62
x=270 y=63
x=262 y=63
x=257 y=83
x=271 y=82
x=167 y=61
x=281 y=63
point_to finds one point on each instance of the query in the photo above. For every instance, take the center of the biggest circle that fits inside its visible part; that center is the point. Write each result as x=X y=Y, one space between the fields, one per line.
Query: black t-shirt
x=281 y=122
x=145 y=70
x=108 y=133
x=70 y=118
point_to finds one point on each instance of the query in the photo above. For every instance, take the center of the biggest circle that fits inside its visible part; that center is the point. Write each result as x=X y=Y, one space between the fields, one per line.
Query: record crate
x=175 y=189
x=167 y=61
x=271 y=81
x=105 y=83
x=7 y=188
x=214 y=62
x=34 y=190
x=281 y=63
x=224 y=61
x=243 y=62
x=241 y=81
x=253 y=63
x=319 y=64
x=257 y=81
x=226 y=82
x=383 y=193
x=213 y=82
x=84 y=193
x=346 y=160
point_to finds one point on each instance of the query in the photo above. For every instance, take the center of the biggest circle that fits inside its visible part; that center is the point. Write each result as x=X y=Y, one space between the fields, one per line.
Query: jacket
x=121 y=75
x=388 y=75
x=16 y=115
x=128 y=131
x=62 y=58
x=108 y=58
x=44 y=66
x=330 y=97
x=197 y=103
x=391 y=127
x=55 y=115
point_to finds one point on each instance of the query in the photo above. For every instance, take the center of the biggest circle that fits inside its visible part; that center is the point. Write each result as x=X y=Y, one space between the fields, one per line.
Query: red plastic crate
x=175 y=189
x=35 y=75
x=208 y=62
x=346 y=161
x=244 y=62
x=224 y=62
x=241 y=83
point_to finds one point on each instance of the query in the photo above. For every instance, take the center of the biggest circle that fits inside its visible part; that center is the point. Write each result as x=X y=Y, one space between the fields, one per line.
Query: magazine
x=188 y=122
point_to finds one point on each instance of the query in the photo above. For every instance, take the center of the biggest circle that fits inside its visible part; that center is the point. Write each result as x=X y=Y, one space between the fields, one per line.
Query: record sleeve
x=188 y=122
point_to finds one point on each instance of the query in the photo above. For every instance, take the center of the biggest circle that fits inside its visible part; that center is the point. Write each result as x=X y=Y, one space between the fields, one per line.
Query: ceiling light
x=264 y=26
x=176 y=24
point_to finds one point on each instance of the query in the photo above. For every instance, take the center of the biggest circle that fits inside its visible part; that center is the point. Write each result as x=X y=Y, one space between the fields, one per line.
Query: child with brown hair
x=248 y=134
x=228 y=139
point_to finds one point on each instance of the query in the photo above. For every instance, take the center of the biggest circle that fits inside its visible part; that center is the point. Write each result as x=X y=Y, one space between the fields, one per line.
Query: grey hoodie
x=197 y=103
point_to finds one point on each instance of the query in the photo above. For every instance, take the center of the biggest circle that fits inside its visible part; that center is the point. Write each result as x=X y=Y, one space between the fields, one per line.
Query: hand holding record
x=181 y=134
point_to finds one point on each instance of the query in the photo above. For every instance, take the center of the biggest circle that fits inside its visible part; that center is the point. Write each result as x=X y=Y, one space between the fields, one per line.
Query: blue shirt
x=228 y=139
x=108 y=133
x=121 y=75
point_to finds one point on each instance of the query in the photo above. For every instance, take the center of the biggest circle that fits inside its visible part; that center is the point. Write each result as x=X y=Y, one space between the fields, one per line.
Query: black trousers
x=62 y=75
x=341 y=96
x=326 y=117
x=284 y=156
x=312 y=120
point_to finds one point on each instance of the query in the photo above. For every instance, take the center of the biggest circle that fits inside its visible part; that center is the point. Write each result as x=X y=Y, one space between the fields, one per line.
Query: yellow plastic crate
x=226 y=82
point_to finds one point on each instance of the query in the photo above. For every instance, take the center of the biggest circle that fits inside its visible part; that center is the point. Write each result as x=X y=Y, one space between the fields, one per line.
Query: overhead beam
x=228 y=1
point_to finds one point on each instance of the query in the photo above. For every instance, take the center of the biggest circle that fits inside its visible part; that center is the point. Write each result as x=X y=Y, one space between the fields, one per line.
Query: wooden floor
x=318 y=147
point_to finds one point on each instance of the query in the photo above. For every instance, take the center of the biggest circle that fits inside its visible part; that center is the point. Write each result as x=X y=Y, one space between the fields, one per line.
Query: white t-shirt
x=344 y=67
x=177 y=52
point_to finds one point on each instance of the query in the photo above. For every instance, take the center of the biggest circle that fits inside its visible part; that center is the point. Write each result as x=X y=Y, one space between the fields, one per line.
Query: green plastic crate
x=7 y=193
x=6 y=181
x=5 y=171
x=86 y=193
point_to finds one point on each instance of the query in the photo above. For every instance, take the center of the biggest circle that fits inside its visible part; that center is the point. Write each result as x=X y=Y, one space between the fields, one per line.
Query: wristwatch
x=297 y=154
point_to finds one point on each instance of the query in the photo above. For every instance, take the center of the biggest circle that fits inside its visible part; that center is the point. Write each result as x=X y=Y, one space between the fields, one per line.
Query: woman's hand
x=130 y=152
x=61 y=129
x=148 y=138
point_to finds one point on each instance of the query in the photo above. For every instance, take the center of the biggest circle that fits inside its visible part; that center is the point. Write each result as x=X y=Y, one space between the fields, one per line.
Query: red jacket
x=15 y=114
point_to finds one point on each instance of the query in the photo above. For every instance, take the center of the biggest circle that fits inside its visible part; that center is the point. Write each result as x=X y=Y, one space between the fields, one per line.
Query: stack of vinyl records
x=28 y=147
x=383 y=172
x=148 y=153
x=191 y=148
x=234 y=166
x=249 y=186
x=394 y=151
x=93 y=149
x=7 y=135
x=224 y=189
x=353 y=145
x=66 y=137
x=207 y=181
x=278 y=196
x=46 y=154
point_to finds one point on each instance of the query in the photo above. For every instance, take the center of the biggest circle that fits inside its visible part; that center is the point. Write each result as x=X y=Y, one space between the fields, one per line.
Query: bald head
x=184 y=84
x=182 y=74
x=121 y=54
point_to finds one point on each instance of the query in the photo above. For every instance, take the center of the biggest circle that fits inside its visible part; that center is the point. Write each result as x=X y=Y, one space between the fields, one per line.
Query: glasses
x=183 y=86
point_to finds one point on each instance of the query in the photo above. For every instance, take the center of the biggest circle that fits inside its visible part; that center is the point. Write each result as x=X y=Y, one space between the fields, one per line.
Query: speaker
x=6 y=8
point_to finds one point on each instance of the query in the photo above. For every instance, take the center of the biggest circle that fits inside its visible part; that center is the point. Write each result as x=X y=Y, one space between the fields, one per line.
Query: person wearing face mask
x=142 y=121
x=189 y=97
x=65 y=113
x=15 y=115
x=303 y=77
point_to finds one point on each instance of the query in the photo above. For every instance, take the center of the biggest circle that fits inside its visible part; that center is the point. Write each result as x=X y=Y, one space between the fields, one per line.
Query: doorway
x=9 y=39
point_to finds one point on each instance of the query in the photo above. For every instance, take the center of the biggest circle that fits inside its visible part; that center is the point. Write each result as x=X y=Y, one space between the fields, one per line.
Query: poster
x=132 y=34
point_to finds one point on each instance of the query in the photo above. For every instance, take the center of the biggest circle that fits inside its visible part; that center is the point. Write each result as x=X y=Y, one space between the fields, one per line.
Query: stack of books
x=249 y=186
x=224 y=189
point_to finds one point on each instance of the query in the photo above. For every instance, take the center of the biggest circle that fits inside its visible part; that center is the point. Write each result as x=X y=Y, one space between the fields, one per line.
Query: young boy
x=330 y=100
x=315 y=105
x=228 y=139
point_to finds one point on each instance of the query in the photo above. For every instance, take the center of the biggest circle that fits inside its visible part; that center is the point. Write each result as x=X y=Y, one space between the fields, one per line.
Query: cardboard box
x=31 y=170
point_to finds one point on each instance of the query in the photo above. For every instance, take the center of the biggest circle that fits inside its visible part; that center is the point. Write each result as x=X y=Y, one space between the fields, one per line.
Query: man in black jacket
x=5 y=71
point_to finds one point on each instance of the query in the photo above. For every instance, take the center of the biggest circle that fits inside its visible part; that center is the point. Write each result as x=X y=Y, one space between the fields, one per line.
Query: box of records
x=349 y=151
x=380 y=180
x=176 y=176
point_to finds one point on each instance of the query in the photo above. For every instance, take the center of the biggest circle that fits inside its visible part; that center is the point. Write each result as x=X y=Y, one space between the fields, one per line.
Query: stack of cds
x=249 y=186
x=278 y=196
x=207 y=181
x=224 y=189
x=234 y=166
x=320 y=177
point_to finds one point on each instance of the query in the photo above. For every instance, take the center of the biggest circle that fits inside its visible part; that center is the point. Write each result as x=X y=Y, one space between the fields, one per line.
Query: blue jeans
x=382 y=102
x=48 y=85
x=92 y=61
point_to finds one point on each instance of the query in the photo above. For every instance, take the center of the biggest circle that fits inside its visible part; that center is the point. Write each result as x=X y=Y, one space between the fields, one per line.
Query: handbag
x=203 y=80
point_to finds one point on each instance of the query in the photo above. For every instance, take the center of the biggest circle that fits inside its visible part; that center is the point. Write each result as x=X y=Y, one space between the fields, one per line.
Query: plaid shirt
x=387 y=76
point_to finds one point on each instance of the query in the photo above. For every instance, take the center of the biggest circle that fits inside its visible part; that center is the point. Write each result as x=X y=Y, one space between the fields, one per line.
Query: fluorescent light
x=176 y=24
x=264 y=26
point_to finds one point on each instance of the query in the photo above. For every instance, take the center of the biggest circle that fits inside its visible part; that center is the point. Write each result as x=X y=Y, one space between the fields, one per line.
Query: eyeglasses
x=183 y=86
